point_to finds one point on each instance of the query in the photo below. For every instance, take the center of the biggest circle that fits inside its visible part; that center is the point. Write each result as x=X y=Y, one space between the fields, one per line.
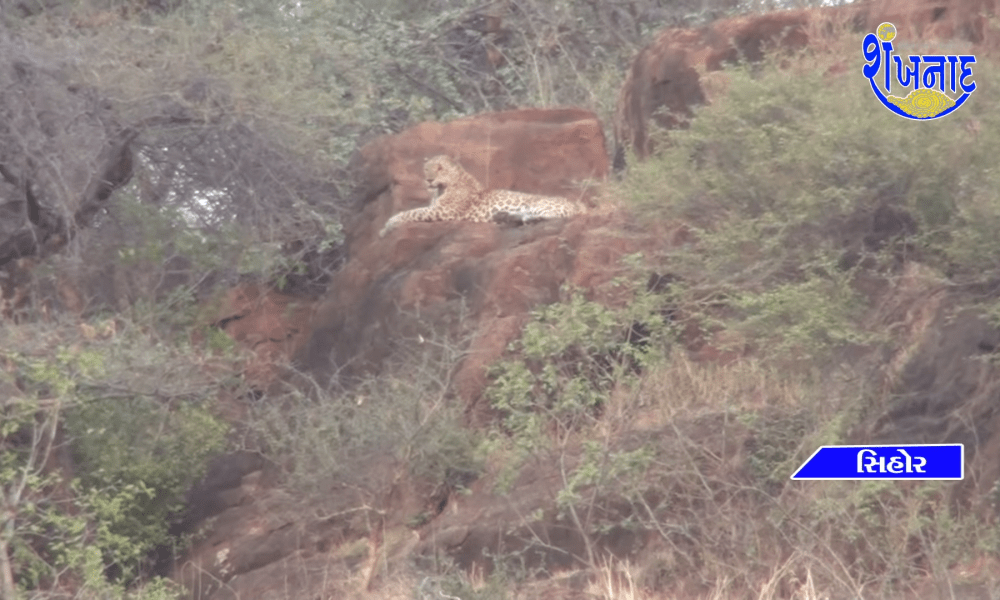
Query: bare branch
x=115 y=170
x=9 y=176
x=49 y=232
x=34 y=209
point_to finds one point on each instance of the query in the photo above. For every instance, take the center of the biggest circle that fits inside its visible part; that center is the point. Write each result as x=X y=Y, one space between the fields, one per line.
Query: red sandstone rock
x=500 y=273
x=274 y=326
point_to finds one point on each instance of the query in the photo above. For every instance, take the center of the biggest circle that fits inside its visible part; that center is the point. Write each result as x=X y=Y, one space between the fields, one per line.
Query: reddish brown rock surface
x=272 y=325
x=666 y=76
x=497 y=272
x=420 y=274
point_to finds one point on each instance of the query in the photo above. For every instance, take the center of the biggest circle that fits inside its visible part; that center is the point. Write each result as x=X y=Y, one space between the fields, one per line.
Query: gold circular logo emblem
x=886 y=32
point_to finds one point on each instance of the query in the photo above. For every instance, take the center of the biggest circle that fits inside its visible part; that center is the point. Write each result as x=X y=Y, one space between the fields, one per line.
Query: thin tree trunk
x=7 y=589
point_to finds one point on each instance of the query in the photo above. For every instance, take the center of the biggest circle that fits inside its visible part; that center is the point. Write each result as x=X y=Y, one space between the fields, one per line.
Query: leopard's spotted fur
x=458 y=196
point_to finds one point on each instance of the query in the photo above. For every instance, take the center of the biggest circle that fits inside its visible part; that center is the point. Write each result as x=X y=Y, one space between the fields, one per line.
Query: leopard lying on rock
x=458 y=196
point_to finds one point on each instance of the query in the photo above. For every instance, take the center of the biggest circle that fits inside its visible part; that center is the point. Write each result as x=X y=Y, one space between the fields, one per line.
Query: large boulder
x=665 y=80
x=494 y=274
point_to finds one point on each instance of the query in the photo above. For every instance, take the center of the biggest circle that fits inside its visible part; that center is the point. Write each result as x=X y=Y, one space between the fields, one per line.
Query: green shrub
x=406 y=414
x=569 y=358
x=781 y=179
x=138 y=442
x=138 y=456
x=779 y=164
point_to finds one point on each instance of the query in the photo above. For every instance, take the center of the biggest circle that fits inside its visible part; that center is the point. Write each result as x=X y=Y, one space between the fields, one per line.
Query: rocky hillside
x=605 y=406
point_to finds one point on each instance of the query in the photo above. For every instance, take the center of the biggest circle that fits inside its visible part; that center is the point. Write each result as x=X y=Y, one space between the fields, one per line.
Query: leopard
x=458 y=196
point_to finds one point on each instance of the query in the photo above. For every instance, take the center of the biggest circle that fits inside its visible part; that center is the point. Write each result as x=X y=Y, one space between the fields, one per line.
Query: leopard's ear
x=434 y=160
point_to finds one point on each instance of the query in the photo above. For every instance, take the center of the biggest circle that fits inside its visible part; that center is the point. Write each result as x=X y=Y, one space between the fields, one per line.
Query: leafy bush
x=789 y=193
x=784 y=159
x=405 y=414
x=146 y=453
x=552 y=391
x=139 y=440
x=568 y=360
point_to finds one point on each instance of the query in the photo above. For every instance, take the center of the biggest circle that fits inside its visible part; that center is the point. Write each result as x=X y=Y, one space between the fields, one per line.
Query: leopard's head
x=439 y=171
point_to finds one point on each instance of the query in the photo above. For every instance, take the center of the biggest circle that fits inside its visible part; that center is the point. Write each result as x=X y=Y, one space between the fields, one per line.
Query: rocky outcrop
x=272 y=325
x=667 y=78
x=494 y=274
x=258 y=541
x=423 y=274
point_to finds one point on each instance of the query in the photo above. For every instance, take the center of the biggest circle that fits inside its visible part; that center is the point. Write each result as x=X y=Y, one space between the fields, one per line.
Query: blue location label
x=915 y=461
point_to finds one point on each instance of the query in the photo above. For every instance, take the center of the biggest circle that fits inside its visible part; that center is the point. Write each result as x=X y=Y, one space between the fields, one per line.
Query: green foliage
x=782 y=162
x=96 y=585
x=48 y=538
x=774 y=448
x=803 y=319
x=136 y=454
x=218 y=341
x=781 y=179
x=139 y=455
x=160 y=241
x=602 y=469
x=157 y=234
x=46 y=535
x=405 y=415
x=152 y=246
x=23 y=442
x=324 y=72
x=571 y=357
x=567 y=361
